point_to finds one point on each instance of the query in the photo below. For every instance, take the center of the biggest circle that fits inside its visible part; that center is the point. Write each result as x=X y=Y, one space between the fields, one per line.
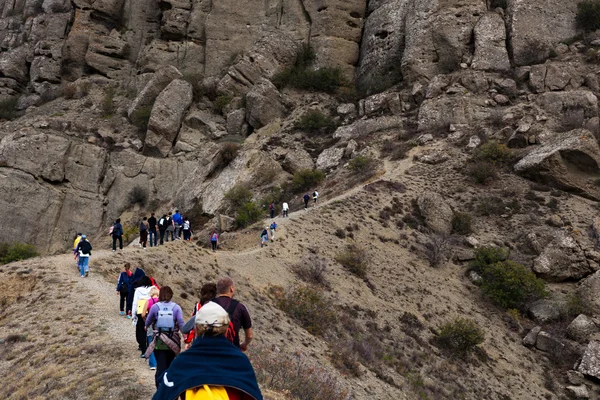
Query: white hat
x=212 y=314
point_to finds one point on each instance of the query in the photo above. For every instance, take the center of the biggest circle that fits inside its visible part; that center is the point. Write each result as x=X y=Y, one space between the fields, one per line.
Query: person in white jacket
x=285 y=208
x=140 y=297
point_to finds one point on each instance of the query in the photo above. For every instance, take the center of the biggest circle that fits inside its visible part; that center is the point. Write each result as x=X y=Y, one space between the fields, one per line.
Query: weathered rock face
x=533 y=27
x=562 y=259
x=160 y=80
x=581 y=328
x=588 y=290
x=490 y=44
x=437 y=213
x=264 y=104
x=590 y=363
x=330 y=158
x=568 y=161
x=296 y=160
x=166 y=117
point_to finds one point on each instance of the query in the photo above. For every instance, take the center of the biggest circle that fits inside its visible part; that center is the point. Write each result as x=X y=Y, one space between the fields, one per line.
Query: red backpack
x=229 y=334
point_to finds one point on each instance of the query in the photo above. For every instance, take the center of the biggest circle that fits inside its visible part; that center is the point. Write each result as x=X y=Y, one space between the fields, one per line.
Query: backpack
x=162 y=222
x=117 y=230
x=231 y=334
x=142 y=227
x=186 y=226
x=214 y=237
x=110 y=231
x=306 y=197
x=164 y=320
x=154 y=282
x=124 y=282
x=271 y=206
x=206 y=392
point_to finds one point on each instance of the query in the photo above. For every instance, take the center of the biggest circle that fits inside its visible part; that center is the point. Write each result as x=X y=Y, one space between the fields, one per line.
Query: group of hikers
x=198 y=358
x=158 y=231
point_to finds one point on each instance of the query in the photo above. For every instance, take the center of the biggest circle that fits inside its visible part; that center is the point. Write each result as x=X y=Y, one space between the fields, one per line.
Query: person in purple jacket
x=166 y=318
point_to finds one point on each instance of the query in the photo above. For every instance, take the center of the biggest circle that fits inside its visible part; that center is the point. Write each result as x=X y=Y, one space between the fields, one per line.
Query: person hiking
x=315 y=197
x=123 y=286
x=152 y=230
x=177 y=223
x=285 y=209
x=212 y=366
x=75 y=252
x=273 y=228
x=272 y=210
x=170 y=227
x=306 y=199
x=154 y=292
x=214 y=240
x=165 y=317
x=186 y=229
x=238 y=313
x=208 y=292
x=162 y=228
x=144 y=232
x=264 y=237
x=140 y=296
x=134 y=282
x=84 y=249
x=117 y=234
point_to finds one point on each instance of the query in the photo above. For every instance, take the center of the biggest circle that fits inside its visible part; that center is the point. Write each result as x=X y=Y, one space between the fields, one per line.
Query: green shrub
x=482 y=172
x=8 y=109
x=138 y=195
x=486 y=256
x=16 y=252
x=576 y=305
x=222 y=101
x=108 y=103
x=461 y=336
x=239 y=195
x=141 y=117
x=588 y=15
x=311 y=269
x=308 y=306
x=306 y=179
x=461 y=223
x=314 y=121
x=228 y=153
x=511 y=285
x=129 y=233
x=493 y=152
x=354 y=260
x=364 y=166
x=248 y=214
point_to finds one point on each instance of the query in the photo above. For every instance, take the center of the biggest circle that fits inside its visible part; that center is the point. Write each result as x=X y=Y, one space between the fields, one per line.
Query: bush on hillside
x=493 y=152
x=228 y=153
x=8 y=108
x=363 y=166
x=311 y=269
x=129 y=233
x=222 y=101
x=248 y=214
x=16 y=252
x=306 y=179
x=354 y=259
x=238 y=195
x=461 y=336
x=588 y=15
x=108 y=103
x=314 y=121
x=308 y=306
x=485 y=256
x=138 y=195
x=511 y=285
x=462 y=223
x=482 y=172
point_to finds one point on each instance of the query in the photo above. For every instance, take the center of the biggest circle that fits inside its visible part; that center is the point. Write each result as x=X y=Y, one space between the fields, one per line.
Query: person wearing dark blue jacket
x=212 y=361
x=117 y=234
x=133 y=284
x=123 y=286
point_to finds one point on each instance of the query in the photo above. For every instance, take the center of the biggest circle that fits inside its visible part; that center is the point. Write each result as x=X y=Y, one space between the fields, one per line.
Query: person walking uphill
x=306 y=199
x=212 y=368
x=141 y=295
x=162 y=228
x=272 y=210
x=166 y=318
x=214 y=240
x=170 y=227
x=144 y=232
x=84 y=249
x=123 y=286
x=285 y=209
x=152 y=230
x=177 y=223
x=238 y=313
x=117 y=234
x=134 y=283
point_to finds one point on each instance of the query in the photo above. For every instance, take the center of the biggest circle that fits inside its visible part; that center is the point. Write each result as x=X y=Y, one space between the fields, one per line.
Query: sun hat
x=212 y=314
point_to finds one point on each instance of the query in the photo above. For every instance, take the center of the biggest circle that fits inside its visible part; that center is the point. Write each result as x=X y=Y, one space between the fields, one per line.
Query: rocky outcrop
x=437 y=213
x=166 y=117
x=330 y=158
x=490 y=44
x=264 y=104
x=569 y=161
x=581 y=328
x=160 y=80
x=590 y=363
x=296 y=160
x=562 y=259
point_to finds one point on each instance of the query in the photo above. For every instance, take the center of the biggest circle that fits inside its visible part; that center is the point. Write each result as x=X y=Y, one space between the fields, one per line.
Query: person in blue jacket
x=212 y=361
x=133 y=281
x=178 y=221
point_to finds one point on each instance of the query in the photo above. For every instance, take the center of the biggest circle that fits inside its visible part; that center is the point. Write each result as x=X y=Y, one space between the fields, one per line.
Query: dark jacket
x=85 y=247
x=137 y=275
x=123 y=282
x=117 y=230
x=210 y=361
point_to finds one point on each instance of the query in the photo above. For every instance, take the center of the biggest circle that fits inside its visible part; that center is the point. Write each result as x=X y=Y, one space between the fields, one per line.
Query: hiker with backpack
x=177 y=223
x=208 y=292
x=285 y=209
x=117 y=234
x=162 y=228
x=144 y=232
x=306 y=199
x=154 y=292
x=214 y=240
x=272 y=210
x=212 y=368
x=165 y=318
x=315 y=197
x=75 y=252
x=187 y=229
x=264 y=237
x=238 y=313
x=170 y=227
x=273 y=228
x=84 y=249
x=123 y=286
x=140 y=296
x=152 y=230
x=134 y=283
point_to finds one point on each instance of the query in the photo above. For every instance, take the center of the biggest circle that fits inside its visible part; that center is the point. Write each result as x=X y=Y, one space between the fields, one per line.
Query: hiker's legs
x=140 y=334
x=213 y=245
x=164 y=358
x=151 y=359
x=122 y=301
x=120 y=242
x=151 y=236
x=85 y=262
x=305 y=204
x=114 y=243
x=162 y=237
x=167 y=235
x=81 y=266
x=186 y=235
x=144 y=238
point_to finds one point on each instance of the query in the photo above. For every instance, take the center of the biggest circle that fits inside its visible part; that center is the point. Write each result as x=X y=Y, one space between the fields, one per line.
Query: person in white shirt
x=285 y=209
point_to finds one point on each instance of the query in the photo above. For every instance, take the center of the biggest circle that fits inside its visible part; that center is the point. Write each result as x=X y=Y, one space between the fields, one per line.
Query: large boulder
x=590 y=363
x=588 y=291
x=581 y=328
x=569 y=161
x=562 y=259
x=150 y=92
x=264 y=104
x=490 y=44
x=534 y=27
x=296 y=160
x=330 y=158
x=437 y=213
x=166 y=117
x=365 y=127
x=544 y=310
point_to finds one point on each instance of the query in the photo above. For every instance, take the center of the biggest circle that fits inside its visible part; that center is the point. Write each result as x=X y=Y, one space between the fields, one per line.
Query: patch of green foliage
x=306 y=179
x=314 y=121
x=461 y=336
x=8 y=109
x=16 y=252
x=588 y=15
x=308 y=306
x=461 y=223
x=354 y=259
